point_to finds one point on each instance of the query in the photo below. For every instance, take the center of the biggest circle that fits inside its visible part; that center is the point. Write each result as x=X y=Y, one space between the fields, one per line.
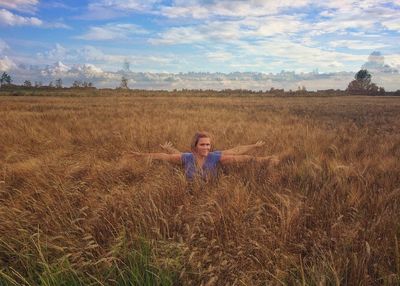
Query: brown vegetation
x=72 y=209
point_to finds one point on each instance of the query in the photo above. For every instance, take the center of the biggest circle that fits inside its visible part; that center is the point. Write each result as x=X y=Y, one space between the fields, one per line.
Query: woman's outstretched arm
x=231 y=159
x=172 y=158
x=243 y=149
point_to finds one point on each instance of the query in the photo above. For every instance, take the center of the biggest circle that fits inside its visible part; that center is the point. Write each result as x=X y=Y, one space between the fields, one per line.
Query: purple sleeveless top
x=209 y=168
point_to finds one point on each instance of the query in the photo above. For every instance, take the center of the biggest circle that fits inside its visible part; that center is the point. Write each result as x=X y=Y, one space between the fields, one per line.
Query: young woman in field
x=201 y=162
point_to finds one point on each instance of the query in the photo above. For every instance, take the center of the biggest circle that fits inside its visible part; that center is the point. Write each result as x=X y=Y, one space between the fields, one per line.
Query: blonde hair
x=196 y=138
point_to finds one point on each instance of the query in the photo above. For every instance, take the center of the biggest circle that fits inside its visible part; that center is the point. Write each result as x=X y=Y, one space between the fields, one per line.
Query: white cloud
x=6 y=64
x=366 y=17
x=209 y=9
x=59 y=69
x=58 y=53
x=91 y=69
x=112 y=31
x=26 y=6
x=393 y=24
x=3 y=46
x=56 y=25
x=179 y=35
x=222 y=31
x=76 y=55
x=9 y=19
x=297 y=56
x=341 y=24
x=108 y=9
x=103 y=60
x=252 y=48
x=219 y=56
x=346 y=6
x=357 y=44
x=270 y=26
x=138 y=5
x=245 y=8
x=197 y=12
x=342 y=5
x=393 y=60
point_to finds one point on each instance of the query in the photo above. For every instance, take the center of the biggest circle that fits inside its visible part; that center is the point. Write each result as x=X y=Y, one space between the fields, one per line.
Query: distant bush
x=362 y=85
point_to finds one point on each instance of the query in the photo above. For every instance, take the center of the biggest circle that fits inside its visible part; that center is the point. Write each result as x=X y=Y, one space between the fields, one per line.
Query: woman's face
x=203 y=147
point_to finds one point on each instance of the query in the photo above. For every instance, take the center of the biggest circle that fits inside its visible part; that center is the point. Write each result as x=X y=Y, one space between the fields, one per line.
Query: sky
x=98 y=39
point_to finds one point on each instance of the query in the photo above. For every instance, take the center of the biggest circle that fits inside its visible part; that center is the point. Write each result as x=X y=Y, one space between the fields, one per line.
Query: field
x=75 y=211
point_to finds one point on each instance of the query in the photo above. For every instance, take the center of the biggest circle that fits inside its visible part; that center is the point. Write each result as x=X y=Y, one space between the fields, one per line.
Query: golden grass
x=73 y=209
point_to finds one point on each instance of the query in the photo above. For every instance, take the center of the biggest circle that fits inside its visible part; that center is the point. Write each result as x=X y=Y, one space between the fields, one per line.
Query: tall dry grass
x=73 y=211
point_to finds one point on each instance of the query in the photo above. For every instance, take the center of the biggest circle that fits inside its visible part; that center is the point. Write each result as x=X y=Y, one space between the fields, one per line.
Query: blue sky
x=200 y=35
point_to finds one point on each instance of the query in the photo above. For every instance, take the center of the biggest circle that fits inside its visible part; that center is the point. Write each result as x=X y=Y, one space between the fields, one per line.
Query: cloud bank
x=382 y=74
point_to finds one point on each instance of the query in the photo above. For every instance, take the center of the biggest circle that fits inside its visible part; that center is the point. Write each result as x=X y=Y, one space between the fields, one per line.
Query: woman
x=201 y=162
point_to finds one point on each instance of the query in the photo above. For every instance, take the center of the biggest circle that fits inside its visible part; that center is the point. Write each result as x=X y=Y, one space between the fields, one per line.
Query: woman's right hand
x=259 y=143
x=167 y=145
x=133 y=154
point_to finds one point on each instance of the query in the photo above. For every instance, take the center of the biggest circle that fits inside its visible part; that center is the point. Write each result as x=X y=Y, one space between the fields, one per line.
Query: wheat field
x=75 y=211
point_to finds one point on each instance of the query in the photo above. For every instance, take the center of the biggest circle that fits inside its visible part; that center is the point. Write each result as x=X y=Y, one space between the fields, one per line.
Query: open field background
x=73 y=211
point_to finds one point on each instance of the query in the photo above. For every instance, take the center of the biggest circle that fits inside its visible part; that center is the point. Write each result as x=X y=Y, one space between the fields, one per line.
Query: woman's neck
x=199 y=159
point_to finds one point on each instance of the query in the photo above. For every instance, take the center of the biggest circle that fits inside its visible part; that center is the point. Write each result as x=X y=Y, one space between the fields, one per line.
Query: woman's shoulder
x=216 y=155
x=187 y=156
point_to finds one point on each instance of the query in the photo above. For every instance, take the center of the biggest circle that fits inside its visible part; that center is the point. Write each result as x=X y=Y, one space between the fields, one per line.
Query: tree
x=362 y=84
x=76 y=84
x=27 y=83
x=301 y=89
x=87 y=84
x=124 y=83
x=363 y=77
x=58 y=83
x=126 y=65
x=5 y=79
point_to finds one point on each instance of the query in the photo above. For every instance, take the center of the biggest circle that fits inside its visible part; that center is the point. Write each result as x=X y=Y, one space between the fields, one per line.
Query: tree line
x=361 y=85
x=6 y=82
